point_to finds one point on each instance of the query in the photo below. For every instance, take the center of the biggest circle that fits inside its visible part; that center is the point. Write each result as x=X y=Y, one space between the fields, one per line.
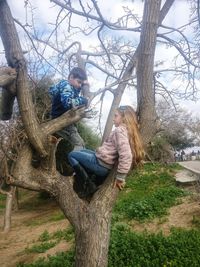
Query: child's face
x=117 y=119
x=75 y=82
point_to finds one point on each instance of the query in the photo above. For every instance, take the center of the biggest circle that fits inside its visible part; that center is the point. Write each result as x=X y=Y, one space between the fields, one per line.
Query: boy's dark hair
x=78 y=73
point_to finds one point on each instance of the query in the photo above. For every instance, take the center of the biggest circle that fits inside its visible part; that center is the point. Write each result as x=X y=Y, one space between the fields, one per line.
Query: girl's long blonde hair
x=130 y=120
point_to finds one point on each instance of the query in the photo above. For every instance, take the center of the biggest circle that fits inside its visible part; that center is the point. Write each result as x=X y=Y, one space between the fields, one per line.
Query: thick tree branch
x=7 y=76
x=165 y=9
x=15 y=59
x=128 y=72
x=64 y=120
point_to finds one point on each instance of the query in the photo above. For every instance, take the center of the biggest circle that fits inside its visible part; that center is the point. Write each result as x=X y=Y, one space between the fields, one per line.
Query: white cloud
x=192 y=106
x=178 y=15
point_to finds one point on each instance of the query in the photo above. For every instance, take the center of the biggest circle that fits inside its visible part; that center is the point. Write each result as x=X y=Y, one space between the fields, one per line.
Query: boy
x=65 y=96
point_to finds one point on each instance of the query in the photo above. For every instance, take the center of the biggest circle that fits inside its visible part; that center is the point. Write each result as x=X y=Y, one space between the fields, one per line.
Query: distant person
x=193 y=155
x=175 y=156
x=183 y=155
x=123 y=146
x=66 y=95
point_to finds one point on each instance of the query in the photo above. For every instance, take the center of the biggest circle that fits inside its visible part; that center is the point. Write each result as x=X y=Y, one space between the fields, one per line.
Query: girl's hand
x=119 y=184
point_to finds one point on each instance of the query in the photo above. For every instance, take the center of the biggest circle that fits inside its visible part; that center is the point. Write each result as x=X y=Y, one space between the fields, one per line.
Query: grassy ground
x=154 y=223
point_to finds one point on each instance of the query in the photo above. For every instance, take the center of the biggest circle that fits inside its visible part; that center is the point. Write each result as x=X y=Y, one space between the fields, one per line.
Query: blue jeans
x=88 y=160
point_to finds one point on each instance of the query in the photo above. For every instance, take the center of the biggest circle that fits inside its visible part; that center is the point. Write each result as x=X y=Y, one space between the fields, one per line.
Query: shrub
x=59 y=260
x=180 y=249
x=150 y=192
x=40 y=248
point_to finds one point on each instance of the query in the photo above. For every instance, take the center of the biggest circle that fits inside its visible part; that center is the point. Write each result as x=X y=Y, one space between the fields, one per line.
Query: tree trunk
x=92 y=239
x=91 y=221
x=8 y=211
x=15 y=59
x=128 y=72
x=15 y=202
x=146 y=92
x=117 y=97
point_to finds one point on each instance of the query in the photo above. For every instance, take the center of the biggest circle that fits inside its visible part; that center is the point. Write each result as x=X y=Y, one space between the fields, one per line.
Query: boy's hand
x=119 y=184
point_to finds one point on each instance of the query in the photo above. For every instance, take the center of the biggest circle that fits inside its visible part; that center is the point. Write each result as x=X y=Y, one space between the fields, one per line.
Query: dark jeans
x=88 y=160
x=70 y=133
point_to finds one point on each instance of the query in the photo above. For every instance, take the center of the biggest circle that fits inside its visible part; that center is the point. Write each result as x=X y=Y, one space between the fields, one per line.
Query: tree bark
x=15 y=59
x=92 y=239
x=8 y=210
x=92 y=223
x=118 y=95
x=128 y=72
x=145 y=87
x=7 y=75
x=15 y=202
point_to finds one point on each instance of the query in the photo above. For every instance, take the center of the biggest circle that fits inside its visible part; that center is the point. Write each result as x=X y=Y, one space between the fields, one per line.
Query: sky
x=46 y=13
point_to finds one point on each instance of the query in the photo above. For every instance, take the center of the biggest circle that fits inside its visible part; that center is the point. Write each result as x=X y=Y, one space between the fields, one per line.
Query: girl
x=124 y=146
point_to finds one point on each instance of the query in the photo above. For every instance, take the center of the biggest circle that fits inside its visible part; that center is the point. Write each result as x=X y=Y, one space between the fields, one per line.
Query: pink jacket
x=117 y=147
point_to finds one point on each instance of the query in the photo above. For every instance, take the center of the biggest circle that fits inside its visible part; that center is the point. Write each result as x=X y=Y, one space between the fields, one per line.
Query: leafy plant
x=2 y=201
x=179 y=249
x=128 y=249
x=40 y=248
x=155 y=205
x=66 y=234
x=150 y=192
x=59 y=260
x=45 y=236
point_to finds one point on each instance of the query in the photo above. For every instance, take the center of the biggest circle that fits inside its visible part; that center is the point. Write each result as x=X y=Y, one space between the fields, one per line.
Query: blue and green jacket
x=64 y=97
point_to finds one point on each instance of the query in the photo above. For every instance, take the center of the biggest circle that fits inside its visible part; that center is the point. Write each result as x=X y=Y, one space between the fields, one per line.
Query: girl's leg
x=82 y=183
x=88 y=160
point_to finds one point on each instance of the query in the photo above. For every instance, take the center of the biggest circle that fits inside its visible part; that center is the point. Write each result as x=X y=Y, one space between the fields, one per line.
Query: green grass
x=127 y=248
x=2 y=201
x=59 y=260
x=66 y=234
x=40 y=248
x=2 y=197
x=149 y=193
x=196 y=222
x=180 y=249
x=2 y=206
x=47 y=240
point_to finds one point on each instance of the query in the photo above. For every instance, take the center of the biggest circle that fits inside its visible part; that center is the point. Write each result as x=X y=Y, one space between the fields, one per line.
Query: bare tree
x=176 y=125
x=130 y=57
x=91 y=219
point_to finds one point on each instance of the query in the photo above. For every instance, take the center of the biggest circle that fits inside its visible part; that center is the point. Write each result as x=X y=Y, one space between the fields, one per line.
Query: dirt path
x=192 y=165
x=23 y=235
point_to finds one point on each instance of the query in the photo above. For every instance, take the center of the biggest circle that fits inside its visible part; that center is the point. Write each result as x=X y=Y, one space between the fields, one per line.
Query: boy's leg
x=70 y=133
